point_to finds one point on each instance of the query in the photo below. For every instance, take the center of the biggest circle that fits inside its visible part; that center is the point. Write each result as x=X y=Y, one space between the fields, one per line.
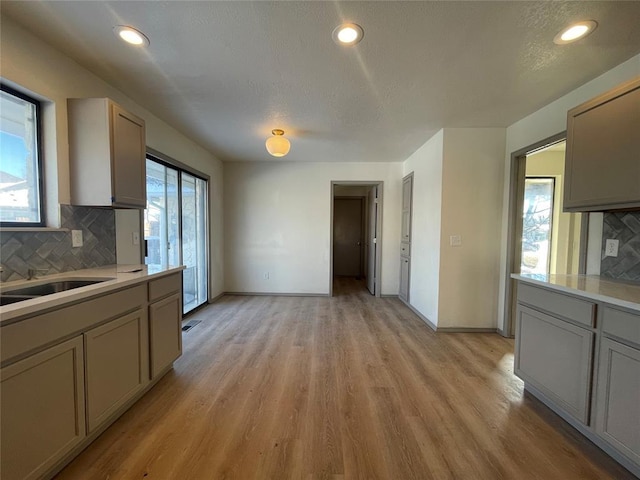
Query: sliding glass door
x=194 y=240
x=175 y=227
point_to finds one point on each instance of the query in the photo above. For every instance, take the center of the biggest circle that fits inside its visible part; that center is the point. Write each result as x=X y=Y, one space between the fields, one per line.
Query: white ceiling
x=227 y=73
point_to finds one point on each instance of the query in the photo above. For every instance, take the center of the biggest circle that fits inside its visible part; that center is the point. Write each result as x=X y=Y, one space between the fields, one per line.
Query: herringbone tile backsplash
x=625 y=227
x=51 y=252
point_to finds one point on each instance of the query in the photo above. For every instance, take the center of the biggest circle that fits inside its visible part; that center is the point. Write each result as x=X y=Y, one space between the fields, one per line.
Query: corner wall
x=471 y=205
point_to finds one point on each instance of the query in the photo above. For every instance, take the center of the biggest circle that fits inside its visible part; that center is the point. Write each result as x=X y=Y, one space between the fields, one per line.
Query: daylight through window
x=20 y=174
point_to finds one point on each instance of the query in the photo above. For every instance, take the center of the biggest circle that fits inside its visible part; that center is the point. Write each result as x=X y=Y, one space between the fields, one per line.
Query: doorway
x=175 y=227
x=543 y=239
x=348 y=237
x=355 y=233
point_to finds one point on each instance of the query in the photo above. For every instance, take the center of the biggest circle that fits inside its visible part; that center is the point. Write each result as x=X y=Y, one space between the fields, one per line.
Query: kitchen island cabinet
x=107 y=154
x=578 y=351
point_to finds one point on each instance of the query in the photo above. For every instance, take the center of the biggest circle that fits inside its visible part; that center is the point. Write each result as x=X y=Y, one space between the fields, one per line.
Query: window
x=537 y=218
x=21 y=192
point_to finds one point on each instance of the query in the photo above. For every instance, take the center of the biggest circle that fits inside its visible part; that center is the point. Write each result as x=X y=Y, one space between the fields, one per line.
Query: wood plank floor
x=349 y=387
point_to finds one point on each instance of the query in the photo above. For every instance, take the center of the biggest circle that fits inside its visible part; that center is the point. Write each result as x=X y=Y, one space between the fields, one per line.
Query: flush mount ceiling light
x=347 y=34
x=278 y=146
x=575 y=32
x=131 y=35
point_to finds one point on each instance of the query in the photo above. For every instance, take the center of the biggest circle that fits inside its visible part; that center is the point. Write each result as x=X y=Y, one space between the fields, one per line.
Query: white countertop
x=117 y=276
x=616 y=292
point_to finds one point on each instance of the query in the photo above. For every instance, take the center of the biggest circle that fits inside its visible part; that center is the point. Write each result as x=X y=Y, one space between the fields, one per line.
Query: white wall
x=277 y=220
x=426 y=165
x=31 y=64
x=471 y=204
x=551 y=120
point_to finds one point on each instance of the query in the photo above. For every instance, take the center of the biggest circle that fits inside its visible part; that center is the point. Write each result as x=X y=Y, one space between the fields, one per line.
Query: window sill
x=33 y=229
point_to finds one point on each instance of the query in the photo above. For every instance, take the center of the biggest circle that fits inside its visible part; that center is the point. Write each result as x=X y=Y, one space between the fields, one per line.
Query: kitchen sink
x=26 y=293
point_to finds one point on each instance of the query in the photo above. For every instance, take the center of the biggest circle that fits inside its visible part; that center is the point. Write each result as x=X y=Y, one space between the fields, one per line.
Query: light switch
x=76 y=238
x=455 y=240
x=136 y=238
x=611 y=247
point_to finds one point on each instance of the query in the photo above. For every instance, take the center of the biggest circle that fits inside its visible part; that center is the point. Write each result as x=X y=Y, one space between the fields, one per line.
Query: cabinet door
x=165 y=333
x=115 y=365
x=555 y=357
x=618 y=397
x=129 y=170
x=403 y=292
x=602 y=169
x=42 y=410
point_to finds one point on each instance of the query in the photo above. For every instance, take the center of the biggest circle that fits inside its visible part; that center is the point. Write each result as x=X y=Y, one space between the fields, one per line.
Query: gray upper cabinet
x=107 y=154
x=602 y=168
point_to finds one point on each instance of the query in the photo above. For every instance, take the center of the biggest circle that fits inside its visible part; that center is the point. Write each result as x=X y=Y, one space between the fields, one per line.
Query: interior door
x=372 y=226
x=347 y=237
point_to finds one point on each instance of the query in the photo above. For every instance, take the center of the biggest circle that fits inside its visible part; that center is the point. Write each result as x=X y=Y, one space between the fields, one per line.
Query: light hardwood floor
x=349 y=387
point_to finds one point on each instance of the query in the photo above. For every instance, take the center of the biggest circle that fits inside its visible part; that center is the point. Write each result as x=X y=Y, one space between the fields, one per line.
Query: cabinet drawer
x=28 y=335
x=571 y=308
x=165 y=286
x=622 y=324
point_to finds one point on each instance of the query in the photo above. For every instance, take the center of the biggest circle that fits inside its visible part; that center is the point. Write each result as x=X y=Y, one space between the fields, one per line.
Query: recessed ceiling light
x=575 y=32
x=131 y=35
x=347 y=34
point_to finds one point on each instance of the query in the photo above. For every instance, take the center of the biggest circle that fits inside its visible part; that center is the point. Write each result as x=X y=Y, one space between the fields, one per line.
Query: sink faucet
x=32 y=272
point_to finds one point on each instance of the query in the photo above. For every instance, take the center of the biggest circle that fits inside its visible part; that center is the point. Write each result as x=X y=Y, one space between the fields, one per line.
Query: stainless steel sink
x=26 y=293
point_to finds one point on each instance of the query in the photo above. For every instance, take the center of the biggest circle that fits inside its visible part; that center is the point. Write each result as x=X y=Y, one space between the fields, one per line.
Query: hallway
x=346 y=387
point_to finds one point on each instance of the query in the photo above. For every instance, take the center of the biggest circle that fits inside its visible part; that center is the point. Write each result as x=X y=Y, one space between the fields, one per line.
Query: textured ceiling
x=226 y=73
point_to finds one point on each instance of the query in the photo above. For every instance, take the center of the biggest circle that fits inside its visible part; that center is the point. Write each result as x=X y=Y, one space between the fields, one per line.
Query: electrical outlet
x=266 y=275
x=136 y=238
x=76 y=238
x=611 y=247
x=455 y=240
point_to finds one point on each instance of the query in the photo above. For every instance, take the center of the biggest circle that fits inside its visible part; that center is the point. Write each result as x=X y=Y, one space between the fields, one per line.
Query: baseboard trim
x=466 y=330
x=420 y=316
x=275 y=294
x=216 y=298
x=388 y=295
x=447 y=329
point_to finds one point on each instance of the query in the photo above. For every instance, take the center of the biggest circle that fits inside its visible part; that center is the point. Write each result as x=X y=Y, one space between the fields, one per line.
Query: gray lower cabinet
x=559 y=336
x=555 y=357
x=617 y=418
x=43 y=410
x=115 y=366
x=165 y=333
x=57 y=399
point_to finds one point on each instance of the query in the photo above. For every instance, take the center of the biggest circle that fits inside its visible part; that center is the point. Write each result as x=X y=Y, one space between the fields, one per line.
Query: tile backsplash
x=51 y=251
x=625 y=227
